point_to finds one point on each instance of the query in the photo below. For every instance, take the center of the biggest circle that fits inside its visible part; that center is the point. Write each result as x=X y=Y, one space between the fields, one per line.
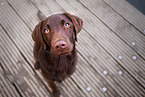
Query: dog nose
x=60 y=45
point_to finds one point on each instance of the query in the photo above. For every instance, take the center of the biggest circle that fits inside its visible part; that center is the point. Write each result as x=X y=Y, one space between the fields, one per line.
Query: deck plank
x=19 y=72
x=130 y=13
x=88 y=77
x=101 y=61
x=118 y=25
x=15 y=26
x=7 y=89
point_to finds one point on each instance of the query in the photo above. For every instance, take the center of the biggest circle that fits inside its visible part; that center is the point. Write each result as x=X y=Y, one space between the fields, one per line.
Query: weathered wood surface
x=109 y=31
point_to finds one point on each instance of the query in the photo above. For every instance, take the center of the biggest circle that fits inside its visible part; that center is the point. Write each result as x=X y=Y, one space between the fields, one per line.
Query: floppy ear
x=37 y=34
x=77 y=22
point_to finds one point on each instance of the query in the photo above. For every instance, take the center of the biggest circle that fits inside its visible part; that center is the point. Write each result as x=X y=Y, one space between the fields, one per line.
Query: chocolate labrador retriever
x=54 y=48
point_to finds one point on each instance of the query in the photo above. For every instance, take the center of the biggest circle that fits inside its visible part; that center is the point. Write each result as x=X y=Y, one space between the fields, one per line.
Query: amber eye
x=67 y=25
x=46 y=31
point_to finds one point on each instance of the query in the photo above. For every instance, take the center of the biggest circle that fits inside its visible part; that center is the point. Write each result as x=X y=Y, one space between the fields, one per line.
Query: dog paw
x=56 y=94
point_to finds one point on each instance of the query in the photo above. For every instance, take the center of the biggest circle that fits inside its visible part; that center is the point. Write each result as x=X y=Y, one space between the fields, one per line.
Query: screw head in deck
x=120 y=72
x=134 y=57
x=120 y=57
x=2 y=3
x=133 y=43
x=105 y=72
x=88 y=89
x=104 y=89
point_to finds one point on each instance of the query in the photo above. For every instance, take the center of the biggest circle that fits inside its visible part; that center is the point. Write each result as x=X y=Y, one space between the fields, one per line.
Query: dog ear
x=37 y=34
x=77 y=22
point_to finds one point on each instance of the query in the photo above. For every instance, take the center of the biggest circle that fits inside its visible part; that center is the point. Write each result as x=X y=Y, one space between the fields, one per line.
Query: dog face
x=58 y=33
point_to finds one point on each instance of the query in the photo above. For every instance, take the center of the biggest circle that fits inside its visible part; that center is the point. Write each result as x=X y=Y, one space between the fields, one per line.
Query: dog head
x=58 y=33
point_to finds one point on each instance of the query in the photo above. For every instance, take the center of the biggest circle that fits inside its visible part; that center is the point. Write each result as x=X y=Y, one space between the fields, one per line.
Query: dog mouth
x=64 y=54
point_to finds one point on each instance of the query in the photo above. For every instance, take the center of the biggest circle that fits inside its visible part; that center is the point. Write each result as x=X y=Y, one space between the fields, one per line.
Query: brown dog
x=54 y=48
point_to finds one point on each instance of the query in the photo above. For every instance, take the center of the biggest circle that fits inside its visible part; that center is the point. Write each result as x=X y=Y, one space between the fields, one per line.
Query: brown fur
x=56 y=64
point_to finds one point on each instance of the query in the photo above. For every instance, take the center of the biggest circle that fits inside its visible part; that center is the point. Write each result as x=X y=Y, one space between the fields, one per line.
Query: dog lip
x=63 y=54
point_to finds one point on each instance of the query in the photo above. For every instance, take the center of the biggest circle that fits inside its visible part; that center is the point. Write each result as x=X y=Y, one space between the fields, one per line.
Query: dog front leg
x=54 y=88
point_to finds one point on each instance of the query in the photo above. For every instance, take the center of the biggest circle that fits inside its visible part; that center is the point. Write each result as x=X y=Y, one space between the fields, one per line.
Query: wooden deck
x=111 y=49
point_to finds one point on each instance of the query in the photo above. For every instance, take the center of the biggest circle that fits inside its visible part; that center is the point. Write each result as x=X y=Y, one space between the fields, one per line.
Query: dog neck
x=59 y=60
x=58 y=66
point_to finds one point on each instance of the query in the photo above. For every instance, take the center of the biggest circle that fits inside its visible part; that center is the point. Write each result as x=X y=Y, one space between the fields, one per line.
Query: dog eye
x=67 y=25
x=46 y=31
